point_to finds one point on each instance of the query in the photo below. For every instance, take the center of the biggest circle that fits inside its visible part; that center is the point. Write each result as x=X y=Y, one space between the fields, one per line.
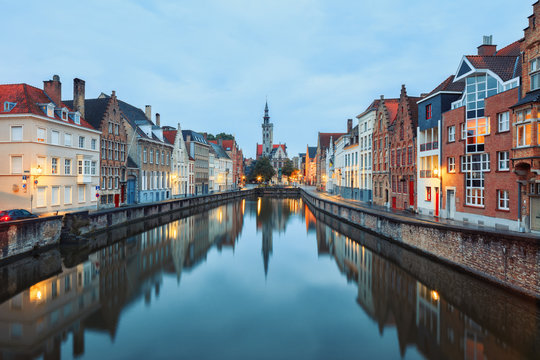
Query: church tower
x=267 y=133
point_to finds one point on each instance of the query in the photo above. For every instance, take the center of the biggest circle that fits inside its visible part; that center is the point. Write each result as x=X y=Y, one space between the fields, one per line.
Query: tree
x=221 y=135
x=287 y=168
x=262 y=168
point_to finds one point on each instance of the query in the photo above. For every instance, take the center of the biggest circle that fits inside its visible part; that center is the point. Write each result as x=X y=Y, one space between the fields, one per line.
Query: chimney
x=349 y=126
x=157 y=119
x=78 y=95
x=487 y=48
x=148 y=112
x=53 y=89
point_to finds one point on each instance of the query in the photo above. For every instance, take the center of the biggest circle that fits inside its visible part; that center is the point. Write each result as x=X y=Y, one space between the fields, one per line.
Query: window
x=503 y=119
x=8 y=106
x=41 y=196
x=157 y=157
x=103 y=149
x=82 y=193
x=67 y=139
x=104 y=182
x=122 y=152
x=162 y=157
x=81 y=142
x=534 y=73
x=110 y=150
x=476 y=130
x=474 y=188
x=410 y=155
x=503 y=161
x=80 y=167
x=451 y=133
x=16 y=133
x=16 y=164
x=451 y=165
x=55 y=137
x=428 y=111
x=524 y=134
x=67 y=195
x=41 y=135
x=463 y=131
x=93 y=168
x=478 y=88
x=54 y=166
x=503 y=200
x=116 y=182
x=115 y=151
x=144 y=155
x=428 y=193
x=93 y=144
x=476 y=162
x=151 y=156
x=110 y=128
x=42 y=163
x=86 y=167
x=55 y=195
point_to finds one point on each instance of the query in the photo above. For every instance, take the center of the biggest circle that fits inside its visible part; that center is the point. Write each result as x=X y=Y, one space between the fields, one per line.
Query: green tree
x=288 y=168
x=221 y=135
x=262 y=168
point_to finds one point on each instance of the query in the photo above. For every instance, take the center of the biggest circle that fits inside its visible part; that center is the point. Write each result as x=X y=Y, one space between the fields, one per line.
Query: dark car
x=15 y=214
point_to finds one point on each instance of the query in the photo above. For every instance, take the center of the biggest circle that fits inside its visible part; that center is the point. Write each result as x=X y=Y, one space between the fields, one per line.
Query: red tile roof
x=373 y=106
x=27 y=99
x=507 y=67
x=392 y=106
x=511 y=50
x=259 y=148
x=324 y=139
x=225 y=144
x=170 y=135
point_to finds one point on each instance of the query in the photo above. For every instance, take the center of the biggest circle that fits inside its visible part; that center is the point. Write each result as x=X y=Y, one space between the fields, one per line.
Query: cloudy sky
x=210 y=64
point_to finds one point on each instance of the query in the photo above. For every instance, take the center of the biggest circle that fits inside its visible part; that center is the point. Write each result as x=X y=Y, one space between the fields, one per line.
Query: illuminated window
x=451 y=165
x=41 y=135
x=476 y=130
x=524 y=134
x=54 y=166
x=428 y=193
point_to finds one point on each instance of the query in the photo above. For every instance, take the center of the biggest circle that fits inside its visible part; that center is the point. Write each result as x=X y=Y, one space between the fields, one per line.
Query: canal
x=259 y=278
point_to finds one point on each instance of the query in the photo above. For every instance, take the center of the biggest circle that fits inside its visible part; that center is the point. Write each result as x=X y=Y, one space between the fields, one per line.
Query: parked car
x=15 y=214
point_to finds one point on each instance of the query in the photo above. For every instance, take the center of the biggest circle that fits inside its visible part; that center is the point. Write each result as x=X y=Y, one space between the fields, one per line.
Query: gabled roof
x=324 y=139
x=27 y=99
x=531 y=97
x=506 y=67
x=392 y=106
x=170 y=135
x=447 y=85
x=228 y=145
x=373 y=106
x=259 y=148
x=220 y=152
x=94 y=110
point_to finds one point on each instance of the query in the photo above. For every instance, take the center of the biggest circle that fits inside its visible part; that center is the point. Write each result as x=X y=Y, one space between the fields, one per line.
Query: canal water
x=258 y=278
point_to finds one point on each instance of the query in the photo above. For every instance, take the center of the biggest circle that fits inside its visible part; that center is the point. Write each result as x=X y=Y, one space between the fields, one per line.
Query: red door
x=411 y=193
x=436 y=201
x=116 y=200
x=394 y=202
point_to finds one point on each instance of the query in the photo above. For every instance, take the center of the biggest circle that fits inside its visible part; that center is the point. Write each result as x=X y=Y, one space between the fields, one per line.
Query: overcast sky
x=211 y=64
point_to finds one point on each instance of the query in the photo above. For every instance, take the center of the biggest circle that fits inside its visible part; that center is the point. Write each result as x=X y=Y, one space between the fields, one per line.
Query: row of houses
x=65 y=155
x=466 y=150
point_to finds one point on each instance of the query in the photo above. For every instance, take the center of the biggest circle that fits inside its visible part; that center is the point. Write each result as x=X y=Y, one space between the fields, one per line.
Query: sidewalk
x=406 y=216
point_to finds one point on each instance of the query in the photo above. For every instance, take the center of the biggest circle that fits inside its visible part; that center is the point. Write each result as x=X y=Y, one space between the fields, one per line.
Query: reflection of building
x=32 y=322
x=422 y=317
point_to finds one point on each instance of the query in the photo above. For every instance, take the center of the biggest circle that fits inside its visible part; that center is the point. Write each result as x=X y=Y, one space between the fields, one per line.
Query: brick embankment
x=511 y=260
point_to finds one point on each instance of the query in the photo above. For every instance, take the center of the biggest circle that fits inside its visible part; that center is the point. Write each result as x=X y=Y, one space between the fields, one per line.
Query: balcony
x=429 y=146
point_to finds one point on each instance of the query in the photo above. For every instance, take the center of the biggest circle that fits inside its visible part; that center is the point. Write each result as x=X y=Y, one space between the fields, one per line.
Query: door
x=123 y=193
x=394 y=202
x=116 y=200
x=450 y=203
x=131 y=191
x=535 y=213
x=411 y=192
x=437 y=201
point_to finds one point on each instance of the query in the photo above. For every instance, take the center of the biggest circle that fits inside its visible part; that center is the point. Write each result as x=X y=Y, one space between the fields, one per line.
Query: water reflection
x=93 y=295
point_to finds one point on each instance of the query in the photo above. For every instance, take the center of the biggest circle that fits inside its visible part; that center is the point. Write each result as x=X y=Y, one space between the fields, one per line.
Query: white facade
x=60 y=161
x=366 y=122
x=428 y=168
x=180 y=166
x=339 y=178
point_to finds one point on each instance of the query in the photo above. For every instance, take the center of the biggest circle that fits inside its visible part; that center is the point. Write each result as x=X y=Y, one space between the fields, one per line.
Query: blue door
x=131 y=191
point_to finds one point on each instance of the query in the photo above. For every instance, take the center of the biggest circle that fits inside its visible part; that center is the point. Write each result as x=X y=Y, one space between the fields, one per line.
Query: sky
x=210 y=65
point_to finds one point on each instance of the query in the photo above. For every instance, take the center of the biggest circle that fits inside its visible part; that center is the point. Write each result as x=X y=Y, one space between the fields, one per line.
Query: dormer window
x=8 y=106
x=76 y=117
x=50 y=110
x=64 y=115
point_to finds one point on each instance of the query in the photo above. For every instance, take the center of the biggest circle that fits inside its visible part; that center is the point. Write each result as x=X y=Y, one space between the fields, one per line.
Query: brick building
x=235 y=154
x=402 y=145
x=103 y=114
x=525 y=154
x=385 y=117
x=479 y=183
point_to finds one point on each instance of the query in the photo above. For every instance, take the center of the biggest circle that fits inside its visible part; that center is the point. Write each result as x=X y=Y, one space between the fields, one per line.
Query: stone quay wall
x=509 y=260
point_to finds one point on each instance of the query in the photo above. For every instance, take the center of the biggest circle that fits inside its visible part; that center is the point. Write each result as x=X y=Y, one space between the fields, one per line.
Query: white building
x=365 y=134
x=223 y=169
x=49 y=154
x=180 y=179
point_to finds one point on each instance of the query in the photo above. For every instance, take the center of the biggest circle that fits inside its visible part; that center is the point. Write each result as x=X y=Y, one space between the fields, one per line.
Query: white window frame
x=66 y=137
x=503 y=121
x=41 y=197
x=55 y=164
x=83 y=187
x=82 y=141
x=55 y=137
x=16 y=138
x=503 y=200
x=68 y=190
x=67 y=166
x=503 y=161
x=12 y=171
x=93 y=144
x=452 y=133
x=41 y=135
x=451 y=164
x=55 y=201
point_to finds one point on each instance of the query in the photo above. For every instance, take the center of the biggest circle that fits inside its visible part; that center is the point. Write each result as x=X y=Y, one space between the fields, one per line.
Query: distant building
x=199 y=150
x=323 y=141
x=276 y=153
x=180 y=180
x=365 y=140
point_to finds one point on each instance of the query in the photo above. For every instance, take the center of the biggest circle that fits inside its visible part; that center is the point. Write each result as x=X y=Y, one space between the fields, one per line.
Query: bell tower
x=267 y=133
